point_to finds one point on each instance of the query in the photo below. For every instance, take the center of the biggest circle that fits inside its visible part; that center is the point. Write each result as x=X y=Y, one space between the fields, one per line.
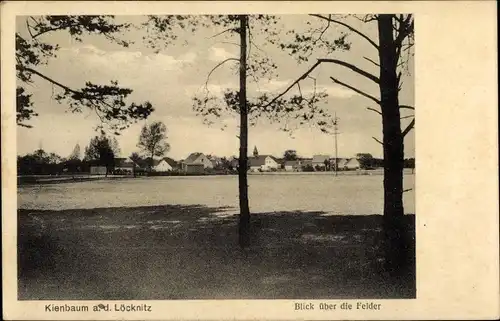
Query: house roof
x=307 y=161
x=214 y=158
x=170 y=161
x=259 y=160
x=342 y=162
x=192 y=157
x=352 y=160
x=292 y=163
x=147 y=162
x=124 y=162
x=320 y=158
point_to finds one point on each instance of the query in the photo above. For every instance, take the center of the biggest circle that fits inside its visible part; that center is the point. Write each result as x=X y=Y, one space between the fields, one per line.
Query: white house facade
x=163 y=166
x=263 y=163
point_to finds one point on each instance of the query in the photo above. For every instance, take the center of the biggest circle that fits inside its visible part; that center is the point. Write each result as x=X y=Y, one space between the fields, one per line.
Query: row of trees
x=102 y=150
x=393 y=44
x=395 y=40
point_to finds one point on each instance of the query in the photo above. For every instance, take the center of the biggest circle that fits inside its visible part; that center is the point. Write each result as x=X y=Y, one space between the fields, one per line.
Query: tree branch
x=252 y=42
x=217 y=66
x=372 y=109
x=408 y=128
x=29 y=28
x=224 y=31
x=348 y=27
x=406 y=107
x=378 y=141
x=324 y=30
x=373 y=62
x=335 y=61
x=352 y=67
x=228 y=43
x=50 y=30
x=50 y=80
x=356 y=90
x=405 y=27
x=304 y=76
x=89 y=98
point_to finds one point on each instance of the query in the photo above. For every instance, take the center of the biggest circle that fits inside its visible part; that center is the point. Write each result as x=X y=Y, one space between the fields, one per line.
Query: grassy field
x=70 y=247
x=343 y=195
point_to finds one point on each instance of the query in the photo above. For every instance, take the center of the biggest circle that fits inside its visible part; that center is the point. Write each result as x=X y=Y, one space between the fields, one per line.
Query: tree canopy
x=290 y=155
x=33 y=49
x=102 y=148
x=153 y=140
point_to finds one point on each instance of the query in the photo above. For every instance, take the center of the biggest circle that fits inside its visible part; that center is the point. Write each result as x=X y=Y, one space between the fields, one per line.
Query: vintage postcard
x=249 y=160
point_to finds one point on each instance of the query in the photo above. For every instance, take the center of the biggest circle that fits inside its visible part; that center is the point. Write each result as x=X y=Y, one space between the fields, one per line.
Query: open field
x=346 y=195
x=175 y=238
x=23 y=180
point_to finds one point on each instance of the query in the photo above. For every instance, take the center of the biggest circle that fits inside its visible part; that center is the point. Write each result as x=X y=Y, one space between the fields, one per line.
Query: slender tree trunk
x=395 y=240
x=151 y=163
x=244 y=224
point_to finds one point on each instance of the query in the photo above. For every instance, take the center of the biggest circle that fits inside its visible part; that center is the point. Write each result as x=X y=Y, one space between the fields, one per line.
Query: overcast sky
x=171 y=77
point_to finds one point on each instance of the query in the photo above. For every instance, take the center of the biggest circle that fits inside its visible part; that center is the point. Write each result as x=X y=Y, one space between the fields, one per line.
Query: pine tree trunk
x=395 y=236
x=244 y=224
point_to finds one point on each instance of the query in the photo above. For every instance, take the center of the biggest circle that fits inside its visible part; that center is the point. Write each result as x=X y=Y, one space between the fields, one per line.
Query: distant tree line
x=101 y=151
x=367 y=161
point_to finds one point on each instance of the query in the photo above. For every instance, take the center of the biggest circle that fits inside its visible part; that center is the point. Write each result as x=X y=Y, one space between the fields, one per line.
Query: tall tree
x=394 y=49
x=244 y=226
x=290 y=155
x=34 y=49
x=152 y=141
x=76 y=153
x=254 y=65
x=365 y=160
x=103 y=149
x=136 y=160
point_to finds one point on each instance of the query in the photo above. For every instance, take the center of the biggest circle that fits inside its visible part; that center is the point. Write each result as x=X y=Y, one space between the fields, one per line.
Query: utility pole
x=335 y=134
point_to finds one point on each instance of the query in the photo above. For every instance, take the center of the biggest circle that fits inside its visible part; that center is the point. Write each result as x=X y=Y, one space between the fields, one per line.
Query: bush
x=308 y=168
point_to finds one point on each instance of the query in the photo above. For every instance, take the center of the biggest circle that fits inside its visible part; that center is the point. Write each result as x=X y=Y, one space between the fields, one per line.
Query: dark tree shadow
x=192 y=252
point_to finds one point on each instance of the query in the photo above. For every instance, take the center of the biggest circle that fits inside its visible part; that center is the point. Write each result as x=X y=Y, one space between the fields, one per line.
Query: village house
x=120 y=166
x=165 y=164
x=345 y=163
x=124 y=165
x=196 y=163
x=193 y=168
x=320 y=161
x=352 y=164
x=97 y=170
x=263 y=163
x=216 y=161
x=293 y=166
x=339 y=161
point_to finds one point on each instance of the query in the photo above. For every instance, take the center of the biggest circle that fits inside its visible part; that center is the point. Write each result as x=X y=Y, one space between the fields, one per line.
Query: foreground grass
x=191 y=252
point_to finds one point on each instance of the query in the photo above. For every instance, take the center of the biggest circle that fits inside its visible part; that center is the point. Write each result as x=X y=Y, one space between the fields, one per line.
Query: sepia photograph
x=174 y=160
x=215 y=157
